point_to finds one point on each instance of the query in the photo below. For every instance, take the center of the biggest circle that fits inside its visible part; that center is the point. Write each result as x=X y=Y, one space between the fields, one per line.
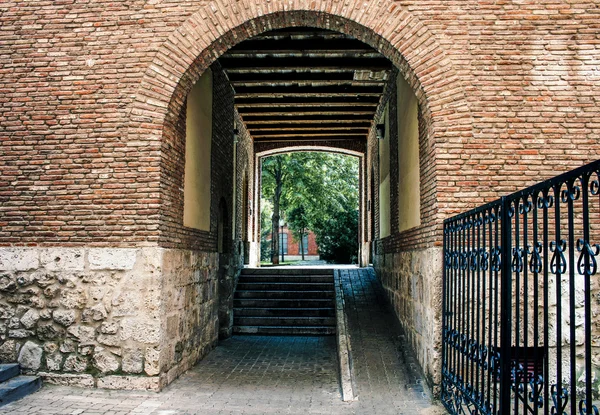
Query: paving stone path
x=255 y=375
x=387 y=374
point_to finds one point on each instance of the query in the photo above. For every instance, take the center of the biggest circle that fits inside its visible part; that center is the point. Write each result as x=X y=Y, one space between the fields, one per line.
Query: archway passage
x=307 y=87
x=92 y=199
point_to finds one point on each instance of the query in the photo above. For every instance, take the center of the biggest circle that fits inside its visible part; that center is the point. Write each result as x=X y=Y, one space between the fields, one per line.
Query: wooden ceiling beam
x=310 y=134
x=305 y=83
x=313 y=118
x=300 y=106
x=269 y=123
x=312 y=90
x=289 y=44
x=303 y=54
x=339 y=75
x=302 y=33
x=314 y=100
x=274 y=64
x=301 y=129
x=302 y=138
x=282 y=124
x=330 y=115
x=307 y=121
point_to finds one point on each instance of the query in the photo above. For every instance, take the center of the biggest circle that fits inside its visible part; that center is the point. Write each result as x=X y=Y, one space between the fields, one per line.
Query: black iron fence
x=521 y=306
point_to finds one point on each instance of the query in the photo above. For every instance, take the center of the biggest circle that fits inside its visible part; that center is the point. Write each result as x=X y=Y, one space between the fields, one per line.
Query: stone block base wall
x=413 y=284
x=190 y=302
x=122 y=318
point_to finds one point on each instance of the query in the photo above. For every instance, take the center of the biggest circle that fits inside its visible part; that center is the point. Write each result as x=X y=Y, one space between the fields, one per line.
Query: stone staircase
x=13 y=385
x=284 y=302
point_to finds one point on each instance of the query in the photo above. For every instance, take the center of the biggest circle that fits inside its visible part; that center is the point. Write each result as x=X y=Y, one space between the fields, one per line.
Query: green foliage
x=266 y=212
x=297 y=221
x=337 y=237
x=319 y=192
x=298 y=224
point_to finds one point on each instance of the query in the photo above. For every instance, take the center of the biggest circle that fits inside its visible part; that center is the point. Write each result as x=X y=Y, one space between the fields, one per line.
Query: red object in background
x=293 y=245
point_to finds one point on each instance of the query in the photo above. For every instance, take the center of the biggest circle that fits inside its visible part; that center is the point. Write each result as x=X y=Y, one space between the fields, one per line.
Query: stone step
x=18 y=387
x=286 y=271
x=8 y=371
x=283 y=302
x=285 y=331
x=278 y=294
x=283 y=312
x=283 y=321
x=285 y=286
x=285 y=278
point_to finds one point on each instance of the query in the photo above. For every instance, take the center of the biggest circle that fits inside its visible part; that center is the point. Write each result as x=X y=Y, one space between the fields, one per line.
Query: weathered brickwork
x=86 y=87
x=263 y=148
x=244 y=230
x=92 y=127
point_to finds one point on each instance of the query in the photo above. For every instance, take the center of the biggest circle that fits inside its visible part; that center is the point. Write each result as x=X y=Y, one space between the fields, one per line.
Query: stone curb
x=343 y=343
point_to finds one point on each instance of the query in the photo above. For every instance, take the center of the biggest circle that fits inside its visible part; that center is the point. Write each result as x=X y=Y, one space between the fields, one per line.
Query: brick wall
x=333 y=146
x=294 y=245
x=244 y=171
x=91 y=92
x=408 y=268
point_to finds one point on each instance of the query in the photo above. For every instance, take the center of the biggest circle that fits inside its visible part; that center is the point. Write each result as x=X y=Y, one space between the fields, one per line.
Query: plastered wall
x=198 y=140
x=409 y=180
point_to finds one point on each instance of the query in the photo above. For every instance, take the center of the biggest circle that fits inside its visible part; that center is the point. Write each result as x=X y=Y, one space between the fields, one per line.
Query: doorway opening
x=310 y=208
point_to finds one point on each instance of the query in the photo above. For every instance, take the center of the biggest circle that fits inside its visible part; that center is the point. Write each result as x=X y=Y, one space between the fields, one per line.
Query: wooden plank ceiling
x=306 y=84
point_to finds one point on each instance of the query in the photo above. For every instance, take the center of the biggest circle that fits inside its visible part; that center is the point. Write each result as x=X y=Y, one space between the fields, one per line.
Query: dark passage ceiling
x=304 y=84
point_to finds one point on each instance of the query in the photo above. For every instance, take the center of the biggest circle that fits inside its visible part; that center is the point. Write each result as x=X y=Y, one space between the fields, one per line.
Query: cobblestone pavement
x=255 y=375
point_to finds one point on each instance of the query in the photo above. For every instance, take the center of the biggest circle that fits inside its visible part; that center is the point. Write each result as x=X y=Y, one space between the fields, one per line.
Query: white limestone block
x=143 y=331
x=129 y=382
x=30 y=356
x=19 y=259
x=63 y=259
x=112 y=258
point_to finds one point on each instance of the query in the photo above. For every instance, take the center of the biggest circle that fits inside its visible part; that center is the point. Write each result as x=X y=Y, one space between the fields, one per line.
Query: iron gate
x=521 y=309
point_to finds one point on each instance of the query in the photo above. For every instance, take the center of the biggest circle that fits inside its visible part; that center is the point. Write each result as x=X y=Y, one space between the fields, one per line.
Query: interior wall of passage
x=198 y=140
x=385 y=227
x=409 y=184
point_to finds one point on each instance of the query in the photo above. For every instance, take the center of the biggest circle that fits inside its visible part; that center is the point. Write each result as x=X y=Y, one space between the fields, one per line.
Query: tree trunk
x=276 y=171
x=275 y=220
x=275 y=225
x=302 y=244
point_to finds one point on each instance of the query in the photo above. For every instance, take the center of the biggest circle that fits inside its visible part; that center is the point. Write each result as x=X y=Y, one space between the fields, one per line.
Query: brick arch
x=155 y=116
x=220 y=25
x=306 y=148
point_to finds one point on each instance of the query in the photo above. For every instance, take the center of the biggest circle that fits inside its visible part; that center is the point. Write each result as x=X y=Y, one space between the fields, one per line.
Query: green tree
x=266 y=213
x=326 y=186
x=275 y=173
x=337 y=237
x=298 y=224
